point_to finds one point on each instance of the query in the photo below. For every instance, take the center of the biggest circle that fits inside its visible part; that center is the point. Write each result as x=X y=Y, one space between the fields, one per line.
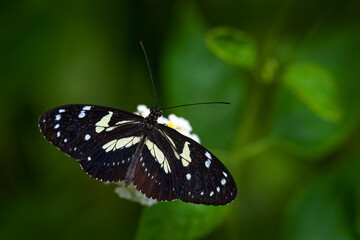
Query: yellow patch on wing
x=158 y=155
x=121 y=143
x=173 y=145
x=185 y=155
x=103 y=123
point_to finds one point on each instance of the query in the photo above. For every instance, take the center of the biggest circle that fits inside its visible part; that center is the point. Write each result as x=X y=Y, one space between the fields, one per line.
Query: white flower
x=143 y=110
x=178 y=123
x=182 y=126
x=132 y=194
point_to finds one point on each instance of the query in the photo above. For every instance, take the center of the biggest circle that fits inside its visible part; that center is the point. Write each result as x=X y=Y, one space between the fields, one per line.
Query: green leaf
x=232 y=46
x=315 y=87
x=178 y=220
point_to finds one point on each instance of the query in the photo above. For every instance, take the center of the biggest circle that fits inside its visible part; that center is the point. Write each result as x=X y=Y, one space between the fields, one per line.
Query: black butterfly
x=112 y=145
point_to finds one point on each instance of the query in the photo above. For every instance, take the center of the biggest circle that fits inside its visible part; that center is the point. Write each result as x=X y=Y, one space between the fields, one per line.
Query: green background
x=290 y=137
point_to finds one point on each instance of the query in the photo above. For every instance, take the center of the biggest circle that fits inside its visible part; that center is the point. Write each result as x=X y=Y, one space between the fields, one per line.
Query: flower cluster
x=178 y=123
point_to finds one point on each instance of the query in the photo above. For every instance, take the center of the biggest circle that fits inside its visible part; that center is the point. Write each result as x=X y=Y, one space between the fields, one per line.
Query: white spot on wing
x=225 y=174
x=81 y=114
x=207 y=163
x=218 y=189
x=87 y=137
x=86 y=108
x=188 y=176
x=58 y=134
x=61 y=110
x=202 y=193
x=211 y=194
x=89 y=158
x=58 y=117
x=65 y=140
x=223 y=181
x=57 y=126
x=208 y=155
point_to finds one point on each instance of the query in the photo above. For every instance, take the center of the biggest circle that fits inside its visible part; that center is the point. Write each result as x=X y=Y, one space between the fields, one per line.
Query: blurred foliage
x=290 y=137
x=305 y=80
x=232 y=46
x=177 y=220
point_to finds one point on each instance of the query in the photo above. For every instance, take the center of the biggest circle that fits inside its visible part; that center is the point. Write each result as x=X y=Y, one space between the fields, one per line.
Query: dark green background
x=297 y=170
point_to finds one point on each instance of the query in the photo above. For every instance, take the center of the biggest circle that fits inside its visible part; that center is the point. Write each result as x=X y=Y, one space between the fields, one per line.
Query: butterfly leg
x=130 y=172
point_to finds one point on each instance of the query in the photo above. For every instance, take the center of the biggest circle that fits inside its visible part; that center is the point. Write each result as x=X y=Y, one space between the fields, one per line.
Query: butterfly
x=113 y=145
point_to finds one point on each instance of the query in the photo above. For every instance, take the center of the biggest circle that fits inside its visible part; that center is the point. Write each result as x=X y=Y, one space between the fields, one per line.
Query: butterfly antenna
x=191 y=104
x=151 y=77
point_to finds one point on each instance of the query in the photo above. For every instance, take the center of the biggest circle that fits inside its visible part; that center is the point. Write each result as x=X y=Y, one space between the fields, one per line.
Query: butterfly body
x=113 y=145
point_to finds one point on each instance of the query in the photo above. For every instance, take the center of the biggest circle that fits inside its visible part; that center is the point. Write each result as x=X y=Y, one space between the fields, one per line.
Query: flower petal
x=132 y=194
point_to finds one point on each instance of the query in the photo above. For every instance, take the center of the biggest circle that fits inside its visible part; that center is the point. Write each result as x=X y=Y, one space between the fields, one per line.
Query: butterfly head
x=155 y=113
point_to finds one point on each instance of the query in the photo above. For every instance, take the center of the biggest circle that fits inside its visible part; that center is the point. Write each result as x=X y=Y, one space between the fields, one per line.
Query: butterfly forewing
x=91 y=134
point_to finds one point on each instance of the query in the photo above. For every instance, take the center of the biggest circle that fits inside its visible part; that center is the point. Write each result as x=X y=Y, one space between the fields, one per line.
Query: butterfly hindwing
x=153 y=175
x=199 y=177
x=102 y=139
